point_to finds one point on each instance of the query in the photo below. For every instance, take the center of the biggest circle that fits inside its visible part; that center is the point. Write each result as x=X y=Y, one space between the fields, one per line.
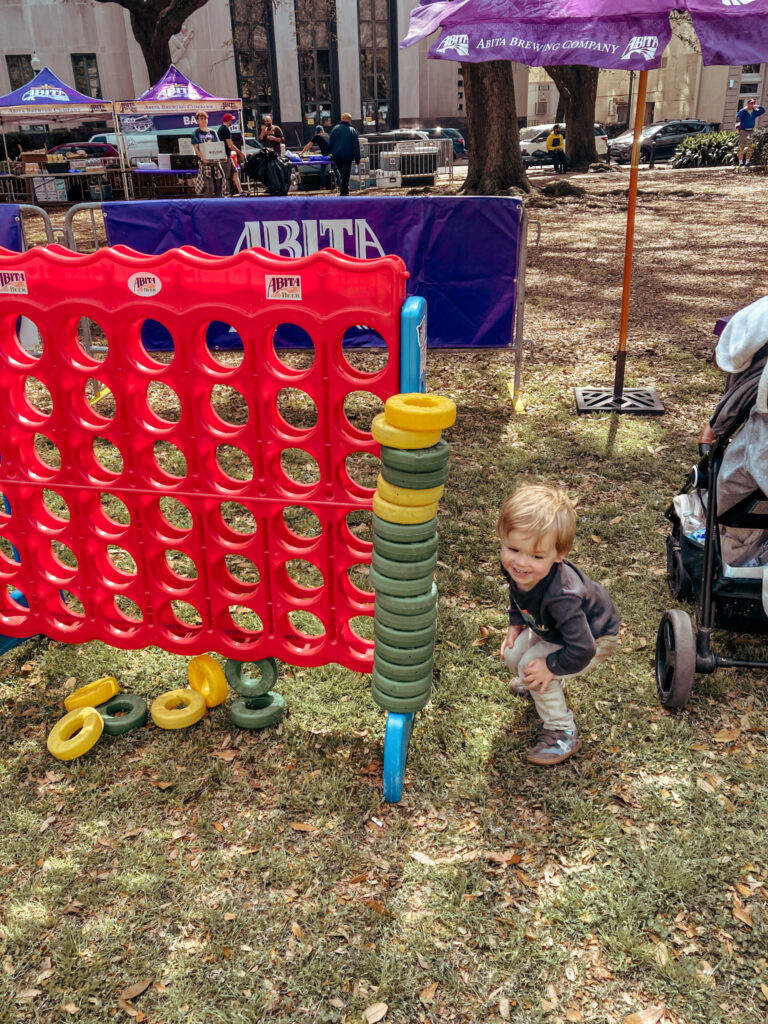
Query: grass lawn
x=213 y=875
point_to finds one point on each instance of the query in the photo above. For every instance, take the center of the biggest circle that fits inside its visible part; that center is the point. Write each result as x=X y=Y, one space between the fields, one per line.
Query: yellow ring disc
x=75 y=733
x=420 y=412
x=403 y=513
x=177 y=709
x=393 y=437
x=88 y=696
x=408 y=495
x=206 y=675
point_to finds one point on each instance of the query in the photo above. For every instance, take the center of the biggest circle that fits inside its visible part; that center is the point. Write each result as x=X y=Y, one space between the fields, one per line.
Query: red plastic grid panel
x=95 y=567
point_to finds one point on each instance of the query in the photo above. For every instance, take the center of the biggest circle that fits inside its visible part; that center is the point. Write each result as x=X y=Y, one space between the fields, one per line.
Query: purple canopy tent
x=171 y=105
x=624 y=34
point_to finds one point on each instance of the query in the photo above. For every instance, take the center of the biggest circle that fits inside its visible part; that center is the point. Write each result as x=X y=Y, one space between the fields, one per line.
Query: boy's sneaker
x=554 y=746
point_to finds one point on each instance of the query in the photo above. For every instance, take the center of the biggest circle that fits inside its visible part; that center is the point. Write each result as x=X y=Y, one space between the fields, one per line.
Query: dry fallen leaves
x=132 y=991
x=375 y=1012
x=651 y=1015
x=422 y=858
x=427 y=995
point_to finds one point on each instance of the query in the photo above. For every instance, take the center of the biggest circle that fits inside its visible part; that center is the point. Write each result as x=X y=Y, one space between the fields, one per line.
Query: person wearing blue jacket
x=746 y=127
x=345 y=150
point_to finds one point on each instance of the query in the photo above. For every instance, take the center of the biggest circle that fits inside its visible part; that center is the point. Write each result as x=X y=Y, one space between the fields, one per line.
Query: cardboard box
x=186 y=147
x=100 y=192
x=164 y=161
x=389 y=179
x=213 y=150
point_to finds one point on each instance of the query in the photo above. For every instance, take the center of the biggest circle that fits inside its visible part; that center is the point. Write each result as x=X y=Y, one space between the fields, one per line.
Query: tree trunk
x=578 y=89
x=154 y=22
x=495 y=160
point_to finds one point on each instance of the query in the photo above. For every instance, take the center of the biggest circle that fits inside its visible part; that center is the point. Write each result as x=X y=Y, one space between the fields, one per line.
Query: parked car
x=662 y=137
x=533 y=143
x=137 y=146
x=459 y=145
x=108 y=154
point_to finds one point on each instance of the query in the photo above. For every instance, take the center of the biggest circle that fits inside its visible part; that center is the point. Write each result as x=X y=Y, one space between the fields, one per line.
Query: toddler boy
x=561 y=623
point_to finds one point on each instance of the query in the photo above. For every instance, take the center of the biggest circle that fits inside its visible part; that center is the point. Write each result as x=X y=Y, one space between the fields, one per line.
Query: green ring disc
x=404 y=655
x=414 y=481
x=417 y=460
x=245 y=716
x=405 y=623
x=135 y=716
x=403 y=673
x=403 y=532
x=247 y=686
x=395 y=570
x=409 y=551
x=401 y=690
x=419 y=587
x=403 y=604
x=400 y=706
x=404 y=638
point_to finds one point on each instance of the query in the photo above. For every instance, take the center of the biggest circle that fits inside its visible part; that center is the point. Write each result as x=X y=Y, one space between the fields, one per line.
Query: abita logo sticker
x=13 y=282
x=281 y=286
x=144 y=284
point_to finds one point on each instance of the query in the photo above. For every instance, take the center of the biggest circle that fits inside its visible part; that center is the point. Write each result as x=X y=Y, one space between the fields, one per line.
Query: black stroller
x=270 y=169
x=717 y=553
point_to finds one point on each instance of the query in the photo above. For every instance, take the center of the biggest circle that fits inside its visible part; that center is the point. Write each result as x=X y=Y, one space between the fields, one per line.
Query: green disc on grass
x=419 y=587
x=406 y=623
x=403 y=673
x=407 y=551
x=248 y=686
x=417 y=460
x=414 y=481
x=253 y=713
x=402 y=637
x=122 y=713
x=395 y=570
x=403 y=604
x=403 y=532
x=400 y=705
x=404 y=655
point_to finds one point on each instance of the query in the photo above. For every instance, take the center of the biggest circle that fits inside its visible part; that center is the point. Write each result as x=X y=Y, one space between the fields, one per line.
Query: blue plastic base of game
x=396 y=740
x=7 y=643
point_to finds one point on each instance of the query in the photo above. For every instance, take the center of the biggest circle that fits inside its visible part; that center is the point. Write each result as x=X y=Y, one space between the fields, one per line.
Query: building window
x=750 y=69
x=318 y=72
x=86 y=74
x=253 y=34
x=748 y=88
x=375 y=65
x=19 y=69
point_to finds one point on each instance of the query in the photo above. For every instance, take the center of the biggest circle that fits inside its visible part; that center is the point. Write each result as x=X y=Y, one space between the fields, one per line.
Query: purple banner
x=461 y=252
x=10 y=227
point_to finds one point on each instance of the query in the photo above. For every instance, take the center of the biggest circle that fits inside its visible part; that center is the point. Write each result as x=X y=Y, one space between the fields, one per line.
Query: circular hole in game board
x=243 y=569
x=234 y=462
x=359 y=524
x=293 y=347
x=181 y=564
x=163 y=401
x=128 y=608
x=56 y=504
x=187 y=613
x=306 y=624
x=121 y=559
x=107 y=455
x=156 y=344
x=360 y=576
x=170 y=458
x=175 y=513
x=224 y=343
x=28 y=336
x=99 y=398
x=238 y=518
x=364 y=350
x=245 y=618
x=115 y=509
x=229 y=405
x=16 y=600
x=92 y=339
x=6 y=550
x=304 y=573
x=363 y=468
x=297 y=408
x=63 y=554
x=72 y=603
x=361 y=626
x=301 y=521
x=299 y=466
x=47 y=452
x=38 y=396
x=360 y=407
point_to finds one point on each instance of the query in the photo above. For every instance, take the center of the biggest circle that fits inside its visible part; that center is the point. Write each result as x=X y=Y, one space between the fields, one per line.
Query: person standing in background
x=230 y=165
x=345 y=149
x=745 y=126
x=322 y=143
x=556 y=146
x=271 y=135
x=210 y=175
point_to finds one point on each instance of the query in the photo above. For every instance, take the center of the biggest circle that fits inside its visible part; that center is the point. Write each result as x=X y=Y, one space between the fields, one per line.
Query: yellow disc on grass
x=206 y=676
x=420 y=412
x=408 y=495
x=177 y=709
x=403 y=513
x=385 y=433
x=88 y=696
x=75 y=733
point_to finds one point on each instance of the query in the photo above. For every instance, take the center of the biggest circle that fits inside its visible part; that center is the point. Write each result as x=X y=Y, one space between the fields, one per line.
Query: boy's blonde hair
x=540 y=509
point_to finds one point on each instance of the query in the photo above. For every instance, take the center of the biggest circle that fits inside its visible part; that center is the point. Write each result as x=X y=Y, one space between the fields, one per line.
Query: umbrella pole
x=635 y=400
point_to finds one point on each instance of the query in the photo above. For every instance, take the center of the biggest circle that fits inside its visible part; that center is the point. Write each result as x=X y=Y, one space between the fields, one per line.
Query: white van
x=136 y=147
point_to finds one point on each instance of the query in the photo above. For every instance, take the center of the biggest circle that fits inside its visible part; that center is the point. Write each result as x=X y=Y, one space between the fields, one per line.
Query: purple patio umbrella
x=617 y=34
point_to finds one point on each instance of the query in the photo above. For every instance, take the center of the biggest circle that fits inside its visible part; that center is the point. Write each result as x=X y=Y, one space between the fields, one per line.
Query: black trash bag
x=270 y=169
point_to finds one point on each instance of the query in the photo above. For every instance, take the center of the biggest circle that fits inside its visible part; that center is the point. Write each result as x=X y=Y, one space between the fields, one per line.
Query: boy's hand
x=537 y=676
x=512 y=634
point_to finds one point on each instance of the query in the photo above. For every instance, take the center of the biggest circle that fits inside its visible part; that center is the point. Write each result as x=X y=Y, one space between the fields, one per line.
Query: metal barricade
x=404 y=164
x=27 y=212
x=98 y=236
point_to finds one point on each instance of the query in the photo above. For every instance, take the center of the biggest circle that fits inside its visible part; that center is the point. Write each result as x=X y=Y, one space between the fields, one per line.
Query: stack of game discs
x=414 y=467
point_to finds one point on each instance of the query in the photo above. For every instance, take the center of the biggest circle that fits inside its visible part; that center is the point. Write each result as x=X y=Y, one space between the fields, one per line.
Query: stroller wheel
x=675 y=661
x=678 y=580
